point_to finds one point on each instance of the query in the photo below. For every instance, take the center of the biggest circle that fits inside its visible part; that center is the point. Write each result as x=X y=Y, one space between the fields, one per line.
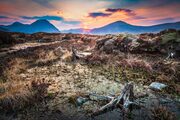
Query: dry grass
x=14 y=95
x=143 y=69
x=168 y=72
x=135 y=63
x=15 y=92
x=97 y=58
x=17 y=95
x=14 y=67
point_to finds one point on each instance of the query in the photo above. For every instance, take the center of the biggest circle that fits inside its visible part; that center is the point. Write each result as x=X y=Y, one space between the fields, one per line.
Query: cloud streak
x=2 y=17
x=109 y=11
x=52 y=18
x=45 y=3
x=47 y=17
x=112 y=10
x=72 y=22
x=99 y=14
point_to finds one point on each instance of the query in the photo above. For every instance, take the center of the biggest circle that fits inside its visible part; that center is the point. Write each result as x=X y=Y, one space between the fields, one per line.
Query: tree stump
x=124 y=101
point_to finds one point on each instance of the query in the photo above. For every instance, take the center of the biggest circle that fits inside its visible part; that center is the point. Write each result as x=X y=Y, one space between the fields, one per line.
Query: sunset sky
x=67 y=14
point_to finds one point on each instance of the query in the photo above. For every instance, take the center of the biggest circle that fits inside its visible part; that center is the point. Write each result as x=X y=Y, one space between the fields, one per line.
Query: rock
x=77 y=100
x=127 y=43
x=109 y=46
x=80 y=101
x=157 y=86
x=134 y=45
x=100 y=43
x=109 y=42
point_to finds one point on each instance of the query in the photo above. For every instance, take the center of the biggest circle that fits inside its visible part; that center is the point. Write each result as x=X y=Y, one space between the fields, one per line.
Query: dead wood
x=75 y=54
x=124 y=101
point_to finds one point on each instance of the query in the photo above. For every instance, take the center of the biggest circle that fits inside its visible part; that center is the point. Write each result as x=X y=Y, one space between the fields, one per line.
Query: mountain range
x=123 y=27
x=37 y=26
x=112 y=28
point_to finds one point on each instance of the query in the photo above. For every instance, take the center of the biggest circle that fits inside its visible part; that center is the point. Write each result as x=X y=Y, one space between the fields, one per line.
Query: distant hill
x=76 y=31
x=123 y=27
x=37 y=26
x=113 y=28
x=4 y=29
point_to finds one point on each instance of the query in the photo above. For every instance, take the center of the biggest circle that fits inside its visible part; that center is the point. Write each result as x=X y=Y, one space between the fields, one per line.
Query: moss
x=170 y=37
x=50 y=95
x=122 y=74
x=178 y=39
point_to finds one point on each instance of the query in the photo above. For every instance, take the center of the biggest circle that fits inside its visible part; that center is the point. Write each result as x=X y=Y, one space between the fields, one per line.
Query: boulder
x=122 y=45
x=109 y=46
x=100 y=43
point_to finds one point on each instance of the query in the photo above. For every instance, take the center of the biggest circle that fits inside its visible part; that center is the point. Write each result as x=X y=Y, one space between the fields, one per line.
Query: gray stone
x=109 y=46
x=157 y=86
x=80 y=101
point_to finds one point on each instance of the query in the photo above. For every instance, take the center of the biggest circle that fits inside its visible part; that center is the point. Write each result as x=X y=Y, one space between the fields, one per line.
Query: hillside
x=123 y=27
x=4 y=29
x=37 y=26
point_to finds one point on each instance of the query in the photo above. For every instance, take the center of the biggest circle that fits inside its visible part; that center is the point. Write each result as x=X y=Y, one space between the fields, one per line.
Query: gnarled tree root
x=125 y=101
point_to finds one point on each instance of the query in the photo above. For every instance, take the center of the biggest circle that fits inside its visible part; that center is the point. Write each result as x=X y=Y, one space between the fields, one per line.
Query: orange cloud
x=141 y=16
x=108 y=16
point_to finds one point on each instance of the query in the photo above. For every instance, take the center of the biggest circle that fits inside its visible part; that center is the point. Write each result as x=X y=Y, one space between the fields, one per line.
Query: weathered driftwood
x=75 y=54
x=124 y=101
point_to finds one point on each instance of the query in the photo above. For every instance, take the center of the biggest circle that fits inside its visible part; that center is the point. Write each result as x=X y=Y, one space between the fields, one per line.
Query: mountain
x=123 y=27
x=37 y=26
x=17 y=27
x=113 y=28
x=42 y=26
x=76 y=31
x=4 y=29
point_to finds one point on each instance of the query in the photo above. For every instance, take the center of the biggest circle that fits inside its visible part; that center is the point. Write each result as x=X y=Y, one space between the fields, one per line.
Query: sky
x=88 y=14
